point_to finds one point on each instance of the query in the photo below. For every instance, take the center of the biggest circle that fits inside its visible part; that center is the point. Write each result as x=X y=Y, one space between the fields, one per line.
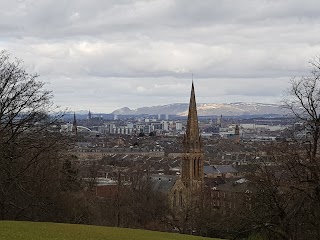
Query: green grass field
x=11 y=230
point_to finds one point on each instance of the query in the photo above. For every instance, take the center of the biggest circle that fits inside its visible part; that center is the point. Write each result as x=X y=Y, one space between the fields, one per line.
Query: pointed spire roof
x=74 y=119
x=89 y=115
x=74 y=125
x=191 y=140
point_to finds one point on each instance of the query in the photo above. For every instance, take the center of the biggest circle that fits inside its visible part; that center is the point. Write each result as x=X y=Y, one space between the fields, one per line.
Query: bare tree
x=287 y=200
x=32 y=169
x=303 y=101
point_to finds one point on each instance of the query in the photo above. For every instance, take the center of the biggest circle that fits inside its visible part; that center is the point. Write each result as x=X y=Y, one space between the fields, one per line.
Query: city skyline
x=107 y=55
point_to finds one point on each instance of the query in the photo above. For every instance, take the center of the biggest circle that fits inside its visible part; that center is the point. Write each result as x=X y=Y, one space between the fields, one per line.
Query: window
x=180 y=199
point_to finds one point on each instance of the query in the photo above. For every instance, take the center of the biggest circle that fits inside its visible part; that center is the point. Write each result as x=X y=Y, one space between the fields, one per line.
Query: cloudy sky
x=103 y=55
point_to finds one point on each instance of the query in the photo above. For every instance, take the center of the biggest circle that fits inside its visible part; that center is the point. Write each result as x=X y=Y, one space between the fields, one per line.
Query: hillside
x=38 y=231
x=207 y=109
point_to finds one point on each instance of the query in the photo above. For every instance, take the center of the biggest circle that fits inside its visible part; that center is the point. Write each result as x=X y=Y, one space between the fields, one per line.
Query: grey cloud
x=71 y=18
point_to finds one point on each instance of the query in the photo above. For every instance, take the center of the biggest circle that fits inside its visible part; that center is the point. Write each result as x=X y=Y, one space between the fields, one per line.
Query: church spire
x=89 y=115
x=192 y=159
x=191 y=140
x=74 y=125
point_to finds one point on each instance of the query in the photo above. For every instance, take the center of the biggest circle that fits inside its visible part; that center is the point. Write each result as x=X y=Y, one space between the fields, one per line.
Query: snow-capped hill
x=253 y=104
x=123 y=111
x=207 y=109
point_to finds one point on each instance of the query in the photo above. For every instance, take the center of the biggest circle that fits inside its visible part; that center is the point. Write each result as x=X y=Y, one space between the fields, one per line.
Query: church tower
x=192 y=157
x=237 y=134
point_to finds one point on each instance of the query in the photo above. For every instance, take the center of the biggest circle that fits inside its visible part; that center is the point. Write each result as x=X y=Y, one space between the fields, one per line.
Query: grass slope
x=58 y=231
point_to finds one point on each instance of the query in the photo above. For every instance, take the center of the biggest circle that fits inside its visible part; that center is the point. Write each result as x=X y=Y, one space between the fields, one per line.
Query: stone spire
x=191 y=139
x=89 y=115
x=192 y=157
x=74 y=125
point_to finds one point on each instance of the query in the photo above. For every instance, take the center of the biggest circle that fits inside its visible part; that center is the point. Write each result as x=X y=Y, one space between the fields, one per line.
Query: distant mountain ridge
x=207 y=109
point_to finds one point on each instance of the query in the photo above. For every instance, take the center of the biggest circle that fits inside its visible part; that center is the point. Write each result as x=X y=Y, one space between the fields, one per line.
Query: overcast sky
x=103 y=55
